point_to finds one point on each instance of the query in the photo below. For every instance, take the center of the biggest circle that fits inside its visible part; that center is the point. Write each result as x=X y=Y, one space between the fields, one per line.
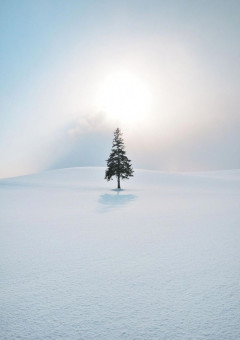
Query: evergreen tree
x=118 y=164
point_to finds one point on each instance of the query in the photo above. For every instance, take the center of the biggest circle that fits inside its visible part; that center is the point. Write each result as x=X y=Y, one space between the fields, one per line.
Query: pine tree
x=118 y=164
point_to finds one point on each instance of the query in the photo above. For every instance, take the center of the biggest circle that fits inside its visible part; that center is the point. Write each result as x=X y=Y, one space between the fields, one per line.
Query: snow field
x=157 y=260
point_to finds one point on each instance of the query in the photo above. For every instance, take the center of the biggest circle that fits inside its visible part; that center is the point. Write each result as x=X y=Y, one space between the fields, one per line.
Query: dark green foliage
x=118 y=164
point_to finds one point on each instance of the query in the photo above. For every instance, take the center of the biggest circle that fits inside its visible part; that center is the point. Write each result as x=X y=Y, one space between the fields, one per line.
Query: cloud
x=89 y=122
x=85 y=141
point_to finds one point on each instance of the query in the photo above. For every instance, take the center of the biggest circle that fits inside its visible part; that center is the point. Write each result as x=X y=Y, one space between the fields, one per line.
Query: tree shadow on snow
x=115 y=200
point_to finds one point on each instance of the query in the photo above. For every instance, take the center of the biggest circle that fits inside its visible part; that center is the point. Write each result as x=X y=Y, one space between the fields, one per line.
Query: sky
x=166 y=72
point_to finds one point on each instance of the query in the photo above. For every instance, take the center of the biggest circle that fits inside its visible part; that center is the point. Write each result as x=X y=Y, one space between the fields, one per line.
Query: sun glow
x=124 y=97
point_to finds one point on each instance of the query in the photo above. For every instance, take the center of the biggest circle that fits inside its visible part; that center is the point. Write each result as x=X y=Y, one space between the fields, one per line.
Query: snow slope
x=158 y=260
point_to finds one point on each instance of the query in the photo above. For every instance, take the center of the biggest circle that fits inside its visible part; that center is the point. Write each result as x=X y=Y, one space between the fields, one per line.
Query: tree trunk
x=119 y=182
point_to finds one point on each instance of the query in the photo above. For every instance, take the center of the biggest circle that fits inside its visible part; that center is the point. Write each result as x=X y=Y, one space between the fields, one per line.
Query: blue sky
x=56 y=54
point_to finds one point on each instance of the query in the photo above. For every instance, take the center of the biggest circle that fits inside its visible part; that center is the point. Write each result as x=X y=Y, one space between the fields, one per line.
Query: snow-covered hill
x=157 y=260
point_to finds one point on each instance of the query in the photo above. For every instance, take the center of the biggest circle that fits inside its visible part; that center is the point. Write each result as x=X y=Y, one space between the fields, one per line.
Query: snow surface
x=157 y=260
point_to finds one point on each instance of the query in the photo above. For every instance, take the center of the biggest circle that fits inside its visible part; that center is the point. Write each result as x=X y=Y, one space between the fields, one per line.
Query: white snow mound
x=156 y=260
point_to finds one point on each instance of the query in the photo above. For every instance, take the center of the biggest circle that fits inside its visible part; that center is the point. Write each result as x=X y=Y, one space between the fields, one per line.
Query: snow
x=156 y=260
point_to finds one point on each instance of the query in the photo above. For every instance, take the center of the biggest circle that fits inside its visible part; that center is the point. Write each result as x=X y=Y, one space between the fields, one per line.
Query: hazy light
x=168 y=76
x=125 y=97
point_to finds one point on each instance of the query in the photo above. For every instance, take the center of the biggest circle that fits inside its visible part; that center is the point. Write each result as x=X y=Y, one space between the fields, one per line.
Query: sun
x=125 y=97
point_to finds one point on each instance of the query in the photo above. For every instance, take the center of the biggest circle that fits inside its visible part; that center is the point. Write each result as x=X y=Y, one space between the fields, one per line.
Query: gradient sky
x=179 y=60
